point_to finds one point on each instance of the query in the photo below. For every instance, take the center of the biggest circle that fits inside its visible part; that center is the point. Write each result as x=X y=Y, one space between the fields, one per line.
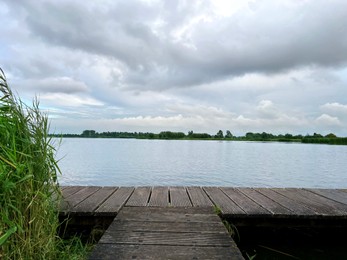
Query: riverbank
x=168 y=135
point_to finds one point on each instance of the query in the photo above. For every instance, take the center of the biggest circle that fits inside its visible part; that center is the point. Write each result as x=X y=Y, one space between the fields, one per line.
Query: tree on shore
x=228 y=134
x=219 y=134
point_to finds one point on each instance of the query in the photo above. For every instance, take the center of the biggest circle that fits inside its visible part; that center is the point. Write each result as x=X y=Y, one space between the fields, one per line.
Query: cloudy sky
x=151 y=65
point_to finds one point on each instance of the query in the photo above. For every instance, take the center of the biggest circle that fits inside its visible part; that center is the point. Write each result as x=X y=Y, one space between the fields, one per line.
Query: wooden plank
x=298 y=209
x=245 y=203
x=161 y=226
x=115 y=202
x=76 y=198
x=319 y=203
x=296 y=196
x=198 y=197
x=88 y=206
x=227 y=206
x=117 y=251
x=170 y=214
x=179 y=197
x=167 y=238
x=272 y=206
x=159 y=197
x=70 y=190
x=169 y=210
x=63 y=187
x=336 y=195
x=139 y=197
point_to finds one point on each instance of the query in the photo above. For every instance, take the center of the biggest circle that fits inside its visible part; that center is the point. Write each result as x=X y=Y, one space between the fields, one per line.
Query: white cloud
x=67 y=100
x=200 y=119
x=209 y=112
x=328 y=120
x=266 y=109
x=335 y=108
x=227 y=8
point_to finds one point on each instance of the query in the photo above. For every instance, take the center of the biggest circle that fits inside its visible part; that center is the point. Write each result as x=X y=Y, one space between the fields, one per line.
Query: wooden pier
x=153 y=222
x=166 y=233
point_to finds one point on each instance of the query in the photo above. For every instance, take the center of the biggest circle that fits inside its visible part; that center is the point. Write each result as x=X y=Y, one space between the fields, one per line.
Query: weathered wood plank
x=170 y=214
x=320 y=204
x=88 y=206
x=167 y=238
x=159 y=197
x=245 y=203
x=161 y=226
x=227 y=206
x=298 y=209
x=297 y=197
x=117 y=251
x=66 y=191
x=70 y=190
x=179 y=197
x=272 y=206
x=76 y=198
x=115 y=202
x=198 y=197
x=336 y=195
x=190 y=210
x=139 y=197
x=63 y=187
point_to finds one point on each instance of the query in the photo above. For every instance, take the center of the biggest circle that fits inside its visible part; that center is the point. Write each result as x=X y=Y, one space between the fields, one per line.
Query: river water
x=132 y=162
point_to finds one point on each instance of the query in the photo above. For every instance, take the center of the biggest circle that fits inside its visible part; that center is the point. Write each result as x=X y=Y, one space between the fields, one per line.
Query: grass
x=232 y=229
x=29 y=190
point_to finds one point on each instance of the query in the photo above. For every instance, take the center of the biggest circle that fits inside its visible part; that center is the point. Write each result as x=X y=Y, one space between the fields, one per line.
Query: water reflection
x=128 y=162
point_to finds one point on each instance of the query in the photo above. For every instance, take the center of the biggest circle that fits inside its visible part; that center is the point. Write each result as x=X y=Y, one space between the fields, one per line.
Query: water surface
x=132 y=162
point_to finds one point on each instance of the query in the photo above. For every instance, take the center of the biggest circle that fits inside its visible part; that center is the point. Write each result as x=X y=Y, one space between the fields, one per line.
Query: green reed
x=29 y=190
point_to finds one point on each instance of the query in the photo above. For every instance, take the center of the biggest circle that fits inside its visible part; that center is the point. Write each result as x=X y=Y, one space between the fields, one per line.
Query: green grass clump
x=29 y=190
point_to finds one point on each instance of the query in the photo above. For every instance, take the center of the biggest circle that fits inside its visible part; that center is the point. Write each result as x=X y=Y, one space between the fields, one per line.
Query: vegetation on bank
x=29 y=190
x=228 y=136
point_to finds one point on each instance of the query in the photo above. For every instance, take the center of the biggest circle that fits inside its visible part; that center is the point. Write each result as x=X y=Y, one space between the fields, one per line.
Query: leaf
x=8 y=162
x=5 y=236
x=25 y=178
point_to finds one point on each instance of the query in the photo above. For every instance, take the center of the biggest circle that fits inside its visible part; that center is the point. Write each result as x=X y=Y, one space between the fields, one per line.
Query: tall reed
x=29 y=192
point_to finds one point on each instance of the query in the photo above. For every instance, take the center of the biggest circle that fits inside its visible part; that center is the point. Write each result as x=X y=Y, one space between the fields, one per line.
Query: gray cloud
x=58 y=85
x=260 y=63
x=168 y=45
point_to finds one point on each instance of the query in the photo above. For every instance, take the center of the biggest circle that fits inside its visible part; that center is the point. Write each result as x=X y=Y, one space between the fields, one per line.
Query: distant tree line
x=250 y=136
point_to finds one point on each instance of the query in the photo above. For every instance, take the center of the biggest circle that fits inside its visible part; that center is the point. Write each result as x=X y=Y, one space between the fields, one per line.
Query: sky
x=151 y=65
